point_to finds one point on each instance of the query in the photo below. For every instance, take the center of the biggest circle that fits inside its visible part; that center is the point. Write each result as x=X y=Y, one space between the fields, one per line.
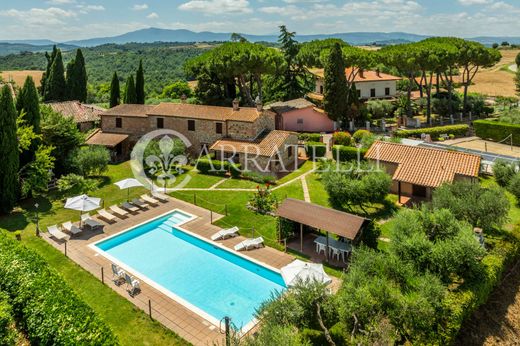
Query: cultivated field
x=19 y=76
x=498 y=80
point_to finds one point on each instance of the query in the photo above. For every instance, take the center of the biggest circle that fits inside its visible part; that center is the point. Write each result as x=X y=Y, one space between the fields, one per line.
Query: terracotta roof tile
x=267 y=146
x=129 y=110
x=186 y=110
x=331 y=220
x=287 y=106
x=425 y=166
x=80 y=112
x=368 y=75
x=106 y=139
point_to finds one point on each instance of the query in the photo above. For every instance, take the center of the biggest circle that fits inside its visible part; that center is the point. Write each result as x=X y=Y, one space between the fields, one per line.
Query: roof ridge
x=427 y=148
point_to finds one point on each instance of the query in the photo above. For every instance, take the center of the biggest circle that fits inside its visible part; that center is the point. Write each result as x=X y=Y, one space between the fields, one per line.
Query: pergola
x=326 y=219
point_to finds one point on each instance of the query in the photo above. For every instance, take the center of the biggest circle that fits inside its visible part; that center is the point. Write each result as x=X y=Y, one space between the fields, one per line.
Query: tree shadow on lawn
x=25 y=214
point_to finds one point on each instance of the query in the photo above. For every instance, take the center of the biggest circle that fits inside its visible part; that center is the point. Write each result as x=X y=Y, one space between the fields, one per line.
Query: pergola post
x=399 y=192
x=301 y=237
x=327 y=248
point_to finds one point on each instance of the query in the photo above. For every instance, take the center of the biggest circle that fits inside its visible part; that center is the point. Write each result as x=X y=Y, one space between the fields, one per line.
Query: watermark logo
x=157 y=160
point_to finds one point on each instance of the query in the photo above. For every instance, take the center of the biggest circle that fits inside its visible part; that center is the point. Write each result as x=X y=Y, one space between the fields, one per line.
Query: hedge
x=216 y=167
x=344 y=153
x=315 y=149
x=434 y=132
x=309 y=137
x=7 y=336
x=45 y=307
x=496 y=131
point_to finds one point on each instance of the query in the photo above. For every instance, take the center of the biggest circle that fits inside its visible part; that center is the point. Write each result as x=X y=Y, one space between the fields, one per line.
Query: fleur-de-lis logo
x=160 y=158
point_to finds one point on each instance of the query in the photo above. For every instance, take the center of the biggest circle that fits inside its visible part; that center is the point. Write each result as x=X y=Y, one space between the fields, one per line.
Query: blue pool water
x=214 y=280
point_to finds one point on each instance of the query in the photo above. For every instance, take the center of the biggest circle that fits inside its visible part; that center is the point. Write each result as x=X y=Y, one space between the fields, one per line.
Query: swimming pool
x=203 y=276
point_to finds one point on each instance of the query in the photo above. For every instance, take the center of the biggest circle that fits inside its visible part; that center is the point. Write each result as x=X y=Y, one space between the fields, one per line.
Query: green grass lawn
x=238 y=184
x=131 y=325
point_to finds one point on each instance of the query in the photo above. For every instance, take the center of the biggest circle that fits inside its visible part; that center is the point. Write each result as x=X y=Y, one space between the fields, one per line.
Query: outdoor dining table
x=344 y=248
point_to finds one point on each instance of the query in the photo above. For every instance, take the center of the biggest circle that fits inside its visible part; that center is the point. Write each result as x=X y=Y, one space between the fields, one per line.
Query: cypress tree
x=70 y=79
x=139 y=84
x=28 y=102
x=56 y=86
x=50 y=60
x=130 y=92
x=336 y=89
x=115 y=91
x=77 y=78
x=8 y=152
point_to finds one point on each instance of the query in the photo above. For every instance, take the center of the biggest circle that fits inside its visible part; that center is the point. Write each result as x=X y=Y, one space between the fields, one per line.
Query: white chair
x=321 y=248
x=118 y=275
x=225 y=233
x=72 y=229
x=56 y=233
x=335 y=253
x=133 y=284
x=250 y=244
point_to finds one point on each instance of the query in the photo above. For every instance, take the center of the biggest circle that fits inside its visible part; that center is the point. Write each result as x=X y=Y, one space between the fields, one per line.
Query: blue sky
x=78 y=19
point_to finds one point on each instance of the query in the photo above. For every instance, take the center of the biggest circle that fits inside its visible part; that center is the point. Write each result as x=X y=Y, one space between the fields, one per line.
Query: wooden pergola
x=321 y=218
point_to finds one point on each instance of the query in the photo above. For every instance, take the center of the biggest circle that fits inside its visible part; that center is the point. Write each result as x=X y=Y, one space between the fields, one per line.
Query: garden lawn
x=131 y=325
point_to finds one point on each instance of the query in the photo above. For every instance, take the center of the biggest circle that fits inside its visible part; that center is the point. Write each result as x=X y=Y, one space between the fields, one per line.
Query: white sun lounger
x=118 y=210
x=106 y=215
x=72 y=229
x=90 y=222
x=118 y=275
x=160 y=196
x=140 y=204
x=250 y=244
x=130 y=207
x=133 y=284
x=149 y=199
x=225 y=233
x=56 y=233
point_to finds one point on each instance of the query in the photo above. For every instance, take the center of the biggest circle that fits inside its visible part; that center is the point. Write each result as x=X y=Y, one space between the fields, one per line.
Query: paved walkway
x=306 y=195
x=165 y=310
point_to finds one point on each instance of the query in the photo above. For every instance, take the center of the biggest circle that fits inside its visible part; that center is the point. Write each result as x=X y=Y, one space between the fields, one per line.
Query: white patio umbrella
x=83 y=203
x=303 y=271
x=127 y=184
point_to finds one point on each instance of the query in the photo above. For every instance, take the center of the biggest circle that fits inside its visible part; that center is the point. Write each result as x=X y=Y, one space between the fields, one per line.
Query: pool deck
x=165 y=310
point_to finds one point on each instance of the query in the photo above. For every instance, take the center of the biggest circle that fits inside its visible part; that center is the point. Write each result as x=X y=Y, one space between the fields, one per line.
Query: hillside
x=7 y=48
x=163 y=62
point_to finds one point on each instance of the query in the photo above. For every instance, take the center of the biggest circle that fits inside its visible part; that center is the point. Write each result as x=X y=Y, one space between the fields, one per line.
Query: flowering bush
x=342 y=138
x=263 y=201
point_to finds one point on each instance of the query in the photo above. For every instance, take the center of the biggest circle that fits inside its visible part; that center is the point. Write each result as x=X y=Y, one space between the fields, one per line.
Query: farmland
x=19 y=76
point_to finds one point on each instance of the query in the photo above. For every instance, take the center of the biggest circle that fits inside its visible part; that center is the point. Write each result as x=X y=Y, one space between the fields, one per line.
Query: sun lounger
x=225 y=233
x=133 y=284
x=56 y=233
x=90 y=222
x=106 y=215
x=250 y=244
x=140 y=204
x=160 y=196
x=71 y=228
x=118 y=275
x=118 y=211
x=130 y=207
x=149 y=200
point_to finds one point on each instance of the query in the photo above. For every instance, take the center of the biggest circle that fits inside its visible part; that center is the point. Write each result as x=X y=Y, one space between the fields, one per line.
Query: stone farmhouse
x=369 y=84
x=204 y=126
x=85 y=116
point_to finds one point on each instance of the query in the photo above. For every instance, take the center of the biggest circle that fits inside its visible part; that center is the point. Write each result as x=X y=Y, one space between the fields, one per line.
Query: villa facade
x=203 y=126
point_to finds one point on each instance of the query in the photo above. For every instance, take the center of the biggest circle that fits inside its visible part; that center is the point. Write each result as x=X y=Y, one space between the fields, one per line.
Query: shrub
x=503 y=172
x=342 y=138
x=263 y=201
x=217 y=167
x=496 y=131
x=360 y=134
x=48 y=310
x=434 y=132
x=514 y=186
x=176 y=90
x=285 y=228
x=344 y=153
x=259 y=178
x=315 y=149
x=73 y=185
x=309 y=137
x=7 y=336
x=92 y=160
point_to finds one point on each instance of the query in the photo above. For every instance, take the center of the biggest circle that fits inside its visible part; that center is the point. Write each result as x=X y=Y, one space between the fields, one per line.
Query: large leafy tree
x=115 y=91
x=77 y=78
x=130 y=92
x=336 y=90
x=139 y=84
x=55 y=85
x=8 y=151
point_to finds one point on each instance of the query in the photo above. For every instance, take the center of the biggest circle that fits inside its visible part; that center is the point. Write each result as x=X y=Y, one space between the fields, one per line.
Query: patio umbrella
x=127 y=184
x=82 y=203
x=303 y=271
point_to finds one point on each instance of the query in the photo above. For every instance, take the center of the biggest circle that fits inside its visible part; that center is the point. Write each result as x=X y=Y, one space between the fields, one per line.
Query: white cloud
x=217 y=6
x=39 y=16
x=474 y=2
x=60 y=2
x=141 y=7
x=152 y=15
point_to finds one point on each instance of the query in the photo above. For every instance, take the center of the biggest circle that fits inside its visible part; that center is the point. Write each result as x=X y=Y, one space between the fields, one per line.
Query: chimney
x=378 y=73
x=236 y=105
x=259 y=105
x=361 y=73
x=183 y=98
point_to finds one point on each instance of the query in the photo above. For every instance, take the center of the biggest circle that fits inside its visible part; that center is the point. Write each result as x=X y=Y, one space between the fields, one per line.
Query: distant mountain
x=489 y=40
x=31 y=42
x=16 y=48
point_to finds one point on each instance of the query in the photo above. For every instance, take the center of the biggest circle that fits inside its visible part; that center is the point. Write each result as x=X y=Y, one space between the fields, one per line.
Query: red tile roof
x=424 y=166
x=129 y=110
x=80 y=112
x=106 y=139
x=186 y=110
x=267 y=146
x=365 y=76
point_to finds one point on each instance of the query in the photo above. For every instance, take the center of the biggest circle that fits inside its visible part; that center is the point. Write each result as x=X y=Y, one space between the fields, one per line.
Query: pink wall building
x=301 y=115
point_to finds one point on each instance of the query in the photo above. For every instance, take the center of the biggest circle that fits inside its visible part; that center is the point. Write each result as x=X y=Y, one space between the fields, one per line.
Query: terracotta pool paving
x=165 y=310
